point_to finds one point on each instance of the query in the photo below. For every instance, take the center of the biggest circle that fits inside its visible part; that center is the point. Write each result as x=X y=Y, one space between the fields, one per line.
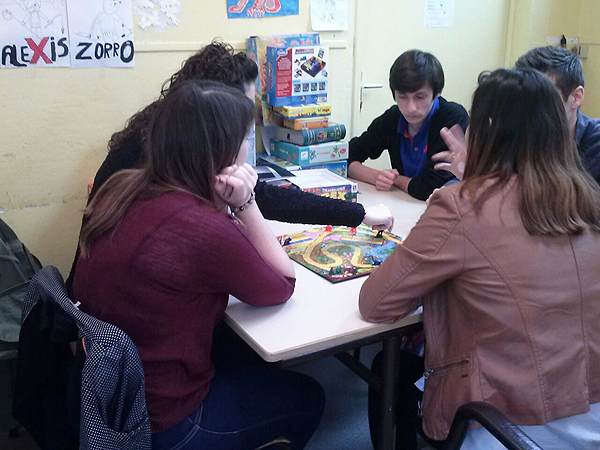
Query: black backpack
x=17 y=267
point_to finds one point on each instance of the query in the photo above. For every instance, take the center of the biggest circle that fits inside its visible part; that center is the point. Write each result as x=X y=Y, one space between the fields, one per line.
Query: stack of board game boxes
x=293 y=81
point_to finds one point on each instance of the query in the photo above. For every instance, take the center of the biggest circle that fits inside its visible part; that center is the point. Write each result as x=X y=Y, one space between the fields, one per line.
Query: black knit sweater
x=383 y=134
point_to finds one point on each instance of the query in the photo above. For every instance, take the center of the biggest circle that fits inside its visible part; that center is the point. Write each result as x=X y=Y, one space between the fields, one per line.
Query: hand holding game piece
x=379 y=218
x=235 y=184
x=454 y=160
x=385 y=179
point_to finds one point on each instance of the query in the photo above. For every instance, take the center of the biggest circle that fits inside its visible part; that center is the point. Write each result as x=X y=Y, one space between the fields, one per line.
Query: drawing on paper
x=108 y=24
x=33 y=15
x=261 y=8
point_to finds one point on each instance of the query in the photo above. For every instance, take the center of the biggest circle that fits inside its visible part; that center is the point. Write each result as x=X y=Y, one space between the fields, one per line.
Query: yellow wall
x=590 y=35
x=475 y=42
x=56 y=122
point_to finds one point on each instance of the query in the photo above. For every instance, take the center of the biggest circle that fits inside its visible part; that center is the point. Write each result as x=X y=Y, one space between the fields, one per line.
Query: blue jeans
x=248 y=408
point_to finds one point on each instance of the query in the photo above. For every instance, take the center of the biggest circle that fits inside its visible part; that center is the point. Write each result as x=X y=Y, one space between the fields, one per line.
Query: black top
x=383 y=134
x=275 y=203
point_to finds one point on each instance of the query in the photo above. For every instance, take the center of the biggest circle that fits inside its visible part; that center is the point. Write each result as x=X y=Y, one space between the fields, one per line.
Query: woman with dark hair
x=218 y=62
x=506 y=263
x=160 y=256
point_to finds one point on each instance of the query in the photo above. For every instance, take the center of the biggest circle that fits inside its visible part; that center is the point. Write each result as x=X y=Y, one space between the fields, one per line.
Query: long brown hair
x=518 y=127
x=216 y=61
x=196 y=131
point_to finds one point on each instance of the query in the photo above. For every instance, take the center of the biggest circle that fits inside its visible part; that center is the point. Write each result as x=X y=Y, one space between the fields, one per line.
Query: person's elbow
x=371 y=309
x=274 y=294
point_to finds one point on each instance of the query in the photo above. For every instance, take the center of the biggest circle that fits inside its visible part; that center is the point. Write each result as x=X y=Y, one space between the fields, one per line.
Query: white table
x=321 y=317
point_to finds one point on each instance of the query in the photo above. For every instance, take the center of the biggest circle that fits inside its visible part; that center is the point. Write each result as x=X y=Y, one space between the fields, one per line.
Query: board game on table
x=340 y=253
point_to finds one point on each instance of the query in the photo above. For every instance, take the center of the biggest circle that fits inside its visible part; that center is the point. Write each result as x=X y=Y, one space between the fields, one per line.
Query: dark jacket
x=383 y=134
x=587 y=137
x=113 y=413
x=275 y=203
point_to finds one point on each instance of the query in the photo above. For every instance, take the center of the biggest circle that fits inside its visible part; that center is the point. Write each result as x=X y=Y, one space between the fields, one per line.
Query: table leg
x=389 y=388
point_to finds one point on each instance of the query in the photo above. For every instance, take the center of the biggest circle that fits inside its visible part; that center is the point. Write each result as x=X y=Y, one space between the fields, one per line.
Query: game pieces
x=340 y=253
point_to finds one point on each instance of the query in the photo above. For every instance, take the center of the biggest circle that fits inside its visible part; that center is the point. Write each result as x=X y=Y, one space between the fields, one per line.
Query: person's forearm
x=264 y=241
x=402 y=183
x=360 y=172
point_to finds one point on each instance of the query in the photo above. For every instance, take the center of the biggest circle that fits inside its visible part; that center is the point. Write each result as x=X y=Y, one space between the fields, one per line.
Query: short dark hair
x=414 y=69
x=557 y=62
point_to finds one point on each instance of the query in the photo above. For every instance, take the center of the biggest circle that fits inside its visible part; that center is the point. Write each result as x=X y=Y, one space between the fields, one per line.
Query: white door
x=387 y=28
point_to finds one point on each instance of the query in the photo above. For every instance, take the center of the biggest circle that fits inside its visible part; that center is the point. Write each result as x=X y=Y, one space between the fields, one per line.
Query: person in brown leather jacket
x=507 y=264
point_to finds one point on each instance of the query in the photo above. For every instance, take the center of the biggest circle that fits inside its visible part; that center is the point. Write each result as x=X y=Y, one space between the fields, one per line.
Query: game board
x=340 y=253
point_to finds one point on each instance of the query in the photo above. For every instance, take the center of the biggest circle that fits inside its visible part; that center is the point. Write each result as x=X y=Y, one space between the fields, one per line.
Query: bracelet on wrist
x=240 y=208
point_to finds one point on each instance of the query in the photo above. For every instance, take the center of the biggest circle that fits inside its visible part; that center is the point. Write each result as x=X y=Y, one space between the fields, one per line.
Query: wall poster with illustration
x=34 y=33
x=101 y=33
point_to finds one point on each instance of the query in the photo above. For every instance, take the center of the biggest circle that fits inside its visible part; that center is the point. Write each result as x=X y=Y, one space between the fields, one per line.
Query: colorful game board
x=340 y=253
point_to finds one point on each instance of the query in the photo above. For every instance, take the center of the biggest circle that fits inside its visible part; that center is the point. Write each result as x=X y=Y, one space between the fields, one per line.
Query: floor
x=344 y=425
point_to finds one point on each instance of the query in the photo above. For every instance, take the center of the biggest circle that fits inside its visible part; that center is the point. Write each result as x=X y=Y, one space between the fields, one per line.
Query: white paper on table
x=329 y=15
x=101 y=33
x=34 y=34
x=439 y=13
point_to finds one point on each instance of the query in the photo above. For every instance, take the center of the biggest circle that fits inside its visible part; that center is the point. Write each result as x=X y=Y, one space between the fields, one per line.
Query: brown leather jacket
x=510 y=319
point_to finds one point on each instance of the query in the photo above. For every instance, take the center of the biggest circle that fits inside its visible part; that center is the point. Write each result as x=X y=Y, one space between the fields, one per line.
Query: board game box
x=310 y=154
x=340 y=253
x=297 y=75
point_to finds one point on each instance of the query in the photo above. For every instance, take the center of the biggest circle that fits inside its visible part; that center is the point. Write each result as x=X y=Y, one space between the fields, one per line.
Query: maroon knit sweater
x=163 y=276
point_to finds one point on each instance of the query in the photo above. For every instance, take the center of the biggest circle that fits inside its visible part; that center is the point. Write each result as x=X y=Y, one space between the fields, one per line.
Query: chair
x=492 y=420
x=113 y=413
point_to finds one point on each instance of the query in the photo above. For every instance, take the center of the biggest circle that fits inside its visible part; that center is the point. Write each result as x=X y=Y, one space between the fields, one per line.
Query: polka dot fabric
x=113 y=404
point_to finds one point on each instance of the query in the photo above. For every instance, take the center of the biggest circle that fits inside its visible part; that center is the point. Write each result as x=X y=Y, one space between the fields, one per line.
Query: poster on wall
x=329 y=15
x=245 y=9
x=101 y=33
x=438 y=13
x=33 y=33
x=157 y=14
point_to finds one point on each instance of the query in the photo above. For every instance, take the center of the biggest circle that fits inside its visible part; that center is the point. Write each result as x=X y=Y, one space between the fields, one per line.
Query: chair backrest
x=509 y=434
x=113 y=406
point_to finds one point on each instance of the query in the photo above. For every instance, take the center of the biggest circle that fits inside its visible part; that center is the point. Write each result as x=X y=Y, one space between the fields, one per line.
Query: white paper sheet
x=439 y=13
x=101 y=33
x=33 y=33
x=157 y=14
x=329 y=15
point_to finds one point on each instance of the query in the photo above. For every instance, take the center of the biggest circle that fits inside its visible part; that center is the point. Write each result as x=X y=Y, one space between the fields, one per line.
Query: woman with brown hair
x=507 y=266
x=162 y=249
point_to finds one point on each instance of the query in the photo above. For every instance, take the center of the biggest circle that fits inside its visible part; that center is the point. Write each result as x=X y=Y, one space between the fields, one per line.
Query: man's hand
x=385 y=179
x=234 y=185
x=454 y=160
x=379 y=217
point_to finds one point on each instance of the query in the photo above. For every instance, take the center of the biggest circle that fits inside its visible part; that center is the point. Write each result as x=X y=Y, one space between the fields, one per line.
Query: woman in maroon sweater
x=164 y=246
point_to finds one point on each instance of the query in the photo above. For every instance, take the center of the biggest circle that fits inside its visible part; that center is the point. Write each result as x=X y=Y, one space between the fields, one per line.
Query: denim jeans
x=248 y=408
